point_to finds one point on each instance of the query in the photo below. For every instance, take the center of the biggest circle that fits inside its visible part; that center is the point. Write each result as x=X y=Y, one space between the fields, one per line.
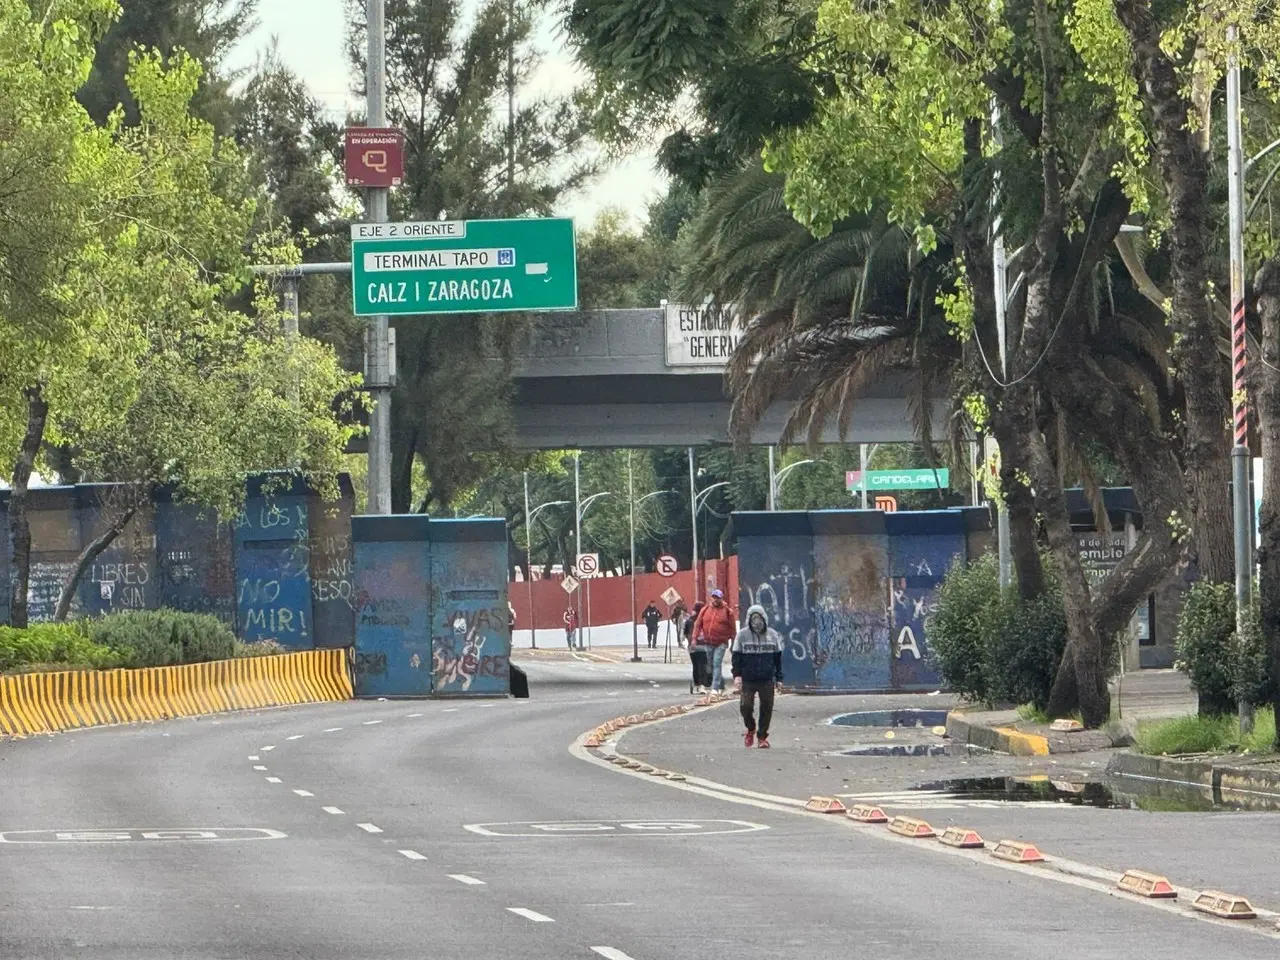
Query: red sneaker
x=763 y=744
x=749 y=738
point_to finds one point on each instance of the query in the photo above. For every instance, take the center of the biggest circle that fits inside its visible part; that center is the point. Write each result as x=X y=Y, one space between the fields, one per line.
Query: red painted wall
x=610 y=597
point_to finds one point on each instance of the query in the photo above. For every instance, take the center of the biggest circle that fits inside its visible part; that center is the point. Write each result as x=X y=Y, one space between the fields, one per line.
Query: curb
x=1000 y=739
x=1211 y=773
x=51 y=702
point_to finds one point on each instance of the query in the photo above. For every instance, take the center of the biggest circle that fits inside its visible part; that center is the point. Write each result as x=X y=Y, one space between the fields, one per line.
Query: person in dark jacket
x=697 y=655
x=757 y=670
x=652 y=616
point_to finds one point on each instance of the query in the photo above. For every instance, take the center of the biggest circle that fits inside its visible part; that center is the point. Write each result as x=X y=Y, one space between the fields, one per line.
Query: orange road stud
x=1065 y=725
x=1145 y=884
x=911 y=827
x=961 y=837
x=657 y=773
x=648 y=715
x=633 y=719
x=824 y=805
x=1228 y=906
x=633 y=765
x=675 y=776
x=1017 y=852
x=867 y=813
x=592 y=741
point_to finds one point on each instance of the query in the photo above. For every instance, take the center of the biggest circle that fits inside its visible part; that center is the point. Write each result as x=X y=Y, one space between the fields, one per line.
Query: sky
x=310 y=35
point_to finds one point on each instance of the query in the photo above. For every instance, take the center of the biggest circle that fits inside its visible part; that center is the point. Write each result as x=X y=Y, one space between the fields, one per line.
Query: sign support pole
x=631 y=508
x=378 y=364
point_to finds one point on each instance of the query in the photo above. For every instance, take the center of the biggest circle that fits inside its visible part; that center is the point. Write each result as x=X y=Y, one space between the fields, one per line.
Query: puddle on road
x=909 y=750
x=891 y=718
x=1130 y=794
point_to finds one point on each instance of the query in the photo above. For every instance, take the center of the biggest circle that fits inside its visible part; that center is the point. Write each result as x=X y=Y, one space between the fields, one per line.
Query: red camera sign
x=374 y=157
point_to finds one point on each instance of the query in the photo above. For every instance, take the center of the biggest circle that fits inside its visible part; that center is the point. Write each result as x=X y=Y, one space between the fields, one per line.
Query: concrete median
x=49 y=702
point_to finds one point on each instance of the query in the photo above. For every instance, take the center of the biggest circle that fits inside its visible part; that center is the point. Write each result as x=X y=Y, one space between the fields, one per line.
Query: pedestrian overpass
x=600 y=378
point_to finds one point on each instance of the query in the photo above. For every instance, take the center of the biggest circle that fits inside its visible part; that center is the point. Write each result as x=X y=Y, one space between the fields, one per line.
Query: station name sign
x=702 y=337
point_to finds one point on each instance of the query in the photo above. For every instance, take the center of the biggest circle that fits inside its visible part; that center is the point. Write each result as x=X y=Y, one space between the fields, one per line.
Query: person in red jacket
x=570 y=624
x=715 y=627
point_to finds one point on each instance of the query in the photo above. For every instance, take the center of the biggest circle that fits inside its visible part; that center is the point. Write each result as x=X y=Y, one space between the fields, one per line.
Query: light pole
x=528 y=544
x=775 y=481
x=582 y=512
x=699 y=499
x=635 y=640
x=865 y=453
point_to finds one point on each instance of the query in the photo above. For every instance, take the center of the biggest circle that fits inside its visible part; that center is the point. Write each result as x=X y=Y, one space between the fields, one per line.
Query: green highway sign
x=463 y=266
x=897 y=479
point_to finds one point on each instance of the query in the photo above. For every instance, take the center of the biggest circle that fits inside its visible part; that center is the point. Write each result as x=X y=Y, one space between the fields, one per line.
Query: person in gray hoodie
x=757 y=670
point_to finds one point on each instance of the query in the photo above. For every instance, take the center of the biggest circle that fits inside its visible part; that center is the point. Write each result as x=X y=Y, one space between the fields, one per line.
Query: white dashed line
x=412 y=855
x=259 y=767
x=274 y=780
x=486 y=705
x=296 y=736
x=304 y=793
x=611 y=953
x=334 y=810
x=530 y=914
x=369 y=828
x=463 y=878
x=412 y=715
x=272 y=747
x=254 y=756
x=450 y=710
x=370 y=723
x=332 y=729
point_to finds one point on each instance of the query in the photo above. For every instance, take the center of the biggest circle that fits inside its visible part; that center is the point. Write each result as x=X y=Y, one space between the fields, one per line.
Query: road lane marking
x=369 y=828
x=530 y=914
x=412 y=855
x=614 y=828
x=331 y=729
x=259 y=767
x=274 y=780
x=333 y=810
x=254 y=756
x=450 y=709
x=370 y=723
x=127 y=834
x=611 y=953
x=296 y=736
x=463 y=878
x=412 y=715
x=272 y=747
x=304 y=793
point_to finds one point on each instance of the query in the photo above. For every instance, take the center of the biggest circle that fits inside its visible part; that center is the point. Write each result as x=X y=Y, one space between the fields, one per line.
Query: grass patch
x=1196 y=734
x=1033 y=714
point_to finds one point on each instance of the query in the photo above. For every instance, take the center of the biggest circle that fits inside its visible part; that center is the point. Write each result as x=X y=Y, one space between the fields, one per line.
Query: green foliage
x=996 y=649
x=1204 y=641
x=259 y=648
x=57 y=645
x=1189 y=734
x=159 y=638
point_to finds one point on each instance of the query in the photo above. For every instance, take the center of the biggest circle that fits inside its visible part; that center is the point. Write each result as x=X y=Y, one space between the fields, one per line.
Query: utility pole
x=631 y=508
x=772 y=494
x=1240 y=499
x=528 y=564
x=377 y=347
x=577 y=538
x=511 y=101
x=693 y=522
x=1000 y=270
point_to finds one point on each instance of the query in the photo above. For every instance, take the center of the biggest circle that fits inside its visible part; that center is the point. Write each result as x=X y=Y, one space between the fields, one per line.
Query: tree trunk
x=89 y=554
x=1267 y=377
x=19 y=527
x=1184 y=169
x=402 y=458
x=1023 y=535
x=1082 y=666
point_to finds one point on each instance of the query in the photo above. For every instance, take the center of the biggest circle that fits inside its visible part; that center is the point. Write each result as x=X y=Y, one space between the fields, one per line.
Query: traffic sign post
x=671 y=596
x=569 y=584
x=463 y=266
x=877 y=480
x=667 y=565
x=588 y=564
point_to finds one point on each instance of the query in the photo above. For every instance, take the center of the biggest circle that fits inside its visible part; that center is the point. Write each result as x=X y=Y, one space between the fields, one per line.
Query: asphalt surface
x=469 y=830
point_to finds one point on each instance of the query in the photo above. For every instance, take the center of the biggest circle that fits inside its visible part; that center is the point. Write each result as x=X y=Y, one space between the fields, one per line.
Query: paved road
x=374 y=801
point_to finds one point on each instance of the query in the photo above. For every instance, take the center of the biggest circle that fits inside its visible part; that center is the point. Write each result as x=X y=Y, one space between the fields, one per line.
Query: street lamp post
x=528 y=544
x=635 y=640
x=775 y=481
x=582 y=512
x=699 y=499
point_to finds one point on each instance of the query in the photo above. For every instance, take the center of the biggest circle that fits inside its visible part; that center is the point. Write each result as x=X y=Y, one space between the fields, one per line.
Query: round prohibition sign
x=613 y=828
x=667 y=565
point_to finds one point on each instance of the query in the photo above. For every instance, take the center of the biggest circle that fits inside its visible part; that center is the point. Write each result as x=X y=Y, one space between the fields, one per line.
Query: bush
x=1204 y=642
x=159 y=638
x=967 y=601
x=56 y=645
x=997 y=649
x=260 y=648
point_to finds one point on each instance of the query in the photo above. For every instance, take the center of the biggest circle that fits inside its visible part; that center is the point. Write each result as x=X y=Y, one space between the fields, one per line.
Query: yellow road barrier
x=48 y=702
